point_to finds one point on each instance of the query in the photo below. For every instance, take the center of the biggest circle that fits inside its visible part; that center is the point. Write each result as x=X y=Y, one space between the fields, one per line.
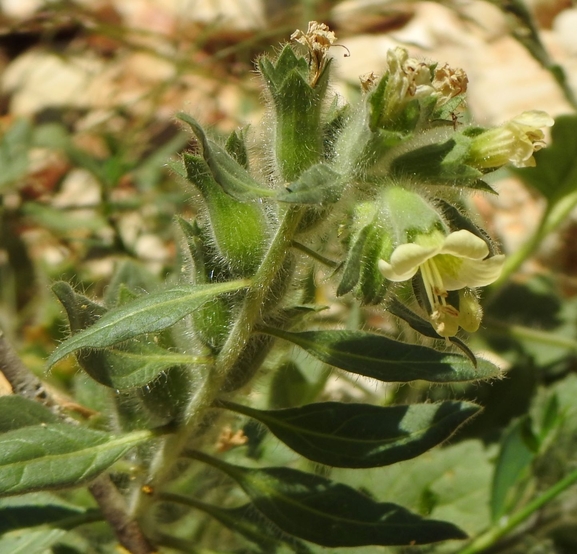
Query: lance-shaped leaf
x=42 y=508
x=317 y=185
x=361 y=435
x=328 y=513
x=133 y=364
x=234 y=179
x=385 y=359
x=245 y=520
x=28 y=541
x=57 y=455
x=17 y=411
x=147 y=314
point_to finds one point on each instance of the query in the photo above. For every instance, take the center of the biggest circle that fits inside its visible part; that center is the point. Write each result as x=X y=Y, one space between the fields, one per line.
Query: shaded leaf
x=56 y=456
x=515 y=458
x=39 y=509
x=17 y=411
x=244 y=520
x=361 y=435
x=385 y=359
x=328 y=513
x=147 y=314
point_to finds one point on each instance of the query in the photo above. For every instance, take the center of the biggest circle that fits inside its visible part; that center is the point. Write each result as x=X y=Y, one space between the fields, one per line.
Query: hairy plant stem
x=507 y=524
x=249 y=316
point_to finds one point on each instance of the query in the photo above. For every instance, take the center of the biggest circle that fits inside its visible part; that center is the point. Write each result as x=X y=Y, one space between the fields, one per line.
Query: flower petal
x=474 y=273
x=407 y=258
x=389 y=273
x=465 y=244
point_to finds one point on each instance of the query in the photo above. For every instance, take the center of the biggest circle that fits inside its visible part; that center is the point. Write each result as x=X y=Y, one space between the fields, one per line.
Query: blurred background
x=88 y=93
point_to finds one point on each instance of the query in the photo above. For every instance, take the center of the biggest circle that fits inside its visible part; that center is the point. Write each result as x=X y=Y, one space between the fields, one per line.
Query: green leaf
x=234 y=179
x=14 y=146
x=147 y=314
x=385 y=359
x=515 y=458
x=30 y=541
x=39 y=509
x=17 y=411
x=131 y=365
x=244 y=520
x=555 y=175
x=236 y=146
x=57 y=455
x=328 y=513
x=361 y=435
x=317 y=185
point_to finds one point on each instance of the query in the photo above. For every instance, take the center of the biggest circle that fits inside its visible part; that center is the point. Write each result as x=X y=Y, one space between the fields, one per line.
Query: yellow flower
x=514 y=142
x=459 y=260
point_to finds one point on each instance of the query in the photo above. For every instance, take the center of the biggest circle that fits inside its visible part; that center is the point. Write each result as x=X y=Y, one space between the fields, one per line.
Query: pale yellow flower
x=513 y=142
x=459 y=260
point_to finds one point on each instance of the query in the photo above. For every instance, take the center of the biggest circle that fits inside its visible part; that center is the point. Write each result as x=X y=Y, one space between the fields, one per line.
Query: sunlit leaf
x=30 y=541
x=57 y=455
x=362 y=435
x=147 y=314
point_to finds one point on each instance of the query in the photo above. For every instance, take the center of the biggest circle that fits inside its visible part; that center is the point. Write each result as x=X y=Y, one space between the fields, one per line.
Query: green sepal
x=226 y=171
x=236 y=147
x=276 y=72
x=373 y=286
x=361 y=435
x=353 y=263
x=239 y=229
x=328 y=513
x=298 y=140
x=440 y=163
x=317 y=185
x=385 y=359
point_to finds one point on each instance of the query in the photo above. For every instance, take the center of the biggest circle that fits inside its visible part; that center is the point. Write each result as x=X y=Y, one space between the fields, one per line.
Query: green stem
x=555 y=214
x=215 y=375
x=507 y=524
